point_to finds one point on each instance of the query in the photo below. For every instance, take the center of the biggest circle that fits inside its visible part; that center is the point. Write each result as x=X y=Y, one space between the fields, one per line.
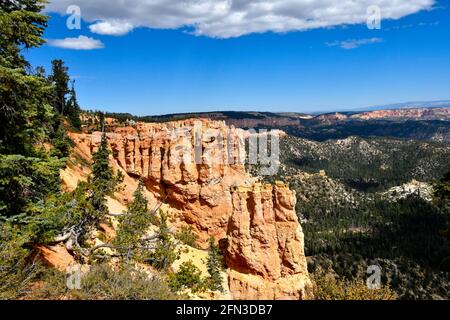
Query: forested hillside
x=350 y=222
x=373 y=164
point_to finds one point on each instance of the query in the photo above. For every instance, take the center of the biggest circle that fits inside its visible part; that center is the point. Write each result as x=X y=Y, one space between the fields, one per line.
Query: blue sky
x=158 y=71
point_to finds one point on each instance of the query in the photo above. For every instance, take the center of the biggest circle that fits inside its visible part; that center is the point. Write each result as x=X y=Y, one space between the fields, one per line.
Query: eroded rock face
x=264 y=245
x=411 y=113
x=197 y=167
x=190 y=164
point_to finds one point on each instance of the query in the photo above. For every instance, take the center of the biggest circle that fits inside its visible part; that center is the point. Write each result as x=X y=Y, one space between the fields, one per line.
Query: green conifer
x=214 y=266
x=133 y=226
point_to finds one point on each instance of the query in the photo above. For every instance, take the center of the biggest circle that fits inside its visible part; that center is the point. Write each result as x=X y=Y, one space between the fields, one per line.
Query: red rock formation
x=331 y=117
x=197 y=182
x=197 y=168
x=264 y=245
x=405 y=114
x=55 y=256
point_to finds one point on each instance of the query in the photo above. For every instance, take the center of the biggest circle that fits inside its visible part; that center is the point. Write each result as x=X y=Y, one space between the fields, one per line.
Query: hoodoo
x=256 y=224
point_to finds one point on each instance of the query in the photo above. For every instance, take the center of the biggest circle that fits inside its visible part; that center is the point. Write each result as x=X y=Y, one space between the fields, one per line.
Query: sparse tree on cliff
x=102 y=173
x=104 y=182
x=165 y=252
x=88 y=202
x=214 y=266
x=129 y=239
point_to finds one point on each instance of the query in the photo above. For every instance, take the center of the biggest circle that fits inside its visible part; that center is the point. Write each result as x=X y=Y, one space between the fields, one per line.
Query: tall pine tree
x=102 y=174
x=214 y=266
x=24 y=98
x=73 y=108
x=27 y=174
x=60 y=79
x=104 y=181
x=133 y=226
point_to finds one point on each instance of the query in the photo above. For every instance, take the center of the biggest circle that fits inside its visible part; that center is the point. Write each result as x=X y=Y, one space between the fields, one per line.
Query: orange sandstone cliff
x=264 y=245
x=196 y=167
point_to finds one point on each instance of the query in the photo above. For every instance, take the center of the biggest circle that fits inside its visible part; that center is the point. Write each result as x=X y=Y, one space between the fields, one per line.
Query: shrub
x=103 y=282
x=328 y=287
x=188 y=277
x=15 y=271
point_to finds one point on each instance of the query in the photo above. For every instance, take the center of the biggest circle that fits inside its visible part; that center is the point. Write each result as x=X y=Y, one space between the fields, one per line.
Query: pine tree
x=102 y=173
x=442 y=189
x=102 y=177
x=73 y=108
x=21 y=26
x=104 y=182
x=61 y=142
x=139 y=206
x=133 y=226
x=27 y=174
x=214 y=266
x=60 y=79
x=101 y=121
x=40 y=72
x=165 y=253
x=24 y=115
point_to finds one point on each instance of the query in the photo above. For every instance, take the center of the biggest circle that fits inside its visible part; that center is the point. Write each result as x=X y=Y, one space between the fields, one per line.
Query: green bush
x=103 y=282
x=328 y=287
x=188 y=277
x=16 y=272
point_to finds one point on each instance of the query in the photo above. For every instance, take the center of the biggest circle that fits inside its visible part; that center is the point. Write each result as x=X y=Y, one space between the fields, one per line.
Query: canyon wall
x=195 y=181
x=264 y=247
x=406 y=114
x=197 y=168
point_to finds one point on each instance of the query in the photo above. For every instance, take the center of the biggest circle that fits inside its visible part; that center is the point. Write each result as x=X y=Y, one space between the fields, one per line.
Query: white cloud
x=233 y=18
x=80 y=43
x=111 y=28
x=354 y=43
